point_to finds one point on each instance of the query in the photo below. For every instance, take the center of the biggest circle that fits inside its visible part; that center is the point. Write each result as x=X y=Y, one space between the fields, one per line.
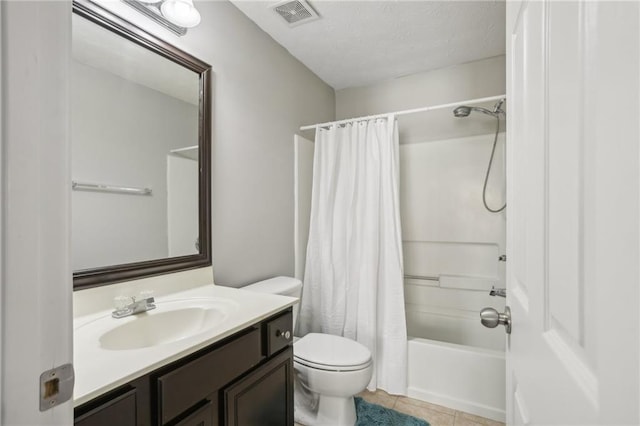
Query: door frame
x=36 y=298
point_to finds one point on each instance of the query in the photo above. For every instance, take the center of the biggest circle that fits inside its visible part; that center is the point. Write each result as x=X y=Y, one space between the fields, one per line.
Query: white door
x=573 y=216
x=35 y=264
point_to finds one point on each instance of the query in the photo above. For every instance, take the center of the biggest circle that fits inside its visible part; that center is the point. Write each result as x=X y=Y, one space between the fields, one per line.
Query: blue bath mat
x=376 y=415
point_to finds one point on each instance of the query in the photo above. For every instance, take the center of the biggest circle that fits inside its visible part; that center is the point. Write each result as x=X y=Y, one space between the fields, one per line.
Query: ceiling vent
x=296 y=12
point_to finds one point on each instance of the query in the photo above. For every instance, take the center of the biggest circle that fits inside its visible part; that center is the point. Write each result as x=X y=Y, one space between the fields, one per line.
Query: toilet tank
x=284 y=286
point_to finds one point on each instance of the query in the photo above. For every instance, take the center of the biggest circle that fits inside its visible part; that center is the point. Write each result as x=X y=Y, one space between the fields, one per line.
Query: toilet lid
x=298 y=361
x=316 y=349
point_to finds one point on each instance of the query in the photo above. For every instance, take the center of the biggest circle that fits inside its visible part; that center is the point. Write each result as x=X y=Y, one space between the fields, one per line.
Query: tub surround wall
x=261 y=95
x=448 y=234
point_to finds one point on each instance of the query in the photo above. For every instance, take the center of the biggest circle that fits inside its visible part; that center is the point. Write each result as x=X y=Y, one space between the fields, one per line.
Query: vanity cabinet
x=185 y=386
x=120 y=410
x=203 y=416
x=245 y=379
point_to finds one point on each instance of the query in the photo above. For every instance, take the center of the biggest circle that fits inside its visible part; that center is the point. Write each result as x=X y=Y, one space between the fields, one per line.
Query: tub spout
x=502 y=292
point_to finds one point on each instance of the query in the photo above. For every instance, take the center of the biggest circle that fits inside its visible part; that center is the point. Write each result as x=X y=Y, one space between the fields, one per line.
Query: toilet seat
x=331 y=353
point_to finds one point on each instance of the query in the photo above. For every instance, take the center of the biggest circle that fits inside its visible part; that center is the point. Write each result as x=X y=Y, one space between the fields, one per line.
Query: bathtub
x=465 y=378
x=453 y=360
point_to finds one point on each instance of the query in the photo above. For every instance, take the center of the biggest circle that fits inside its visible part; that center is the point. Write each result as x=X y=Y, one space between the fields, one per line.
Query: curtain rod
x=407 y=111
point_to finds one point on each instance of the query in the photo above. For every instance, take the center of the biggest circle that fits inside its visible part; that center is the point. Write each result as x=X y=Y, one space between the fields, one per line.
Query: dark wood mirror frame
x=112 y=274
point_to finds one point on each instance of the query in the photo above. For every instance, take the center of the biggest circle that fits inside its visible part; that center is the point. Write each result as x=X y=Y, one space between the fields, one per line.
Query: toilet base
x=331 y=412
x=312 y=409
x=336 y=411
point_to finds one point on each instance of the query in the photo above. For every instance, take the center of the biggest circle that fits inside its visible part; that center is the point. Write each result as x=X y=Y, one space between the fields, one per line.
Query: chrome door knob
x=491 y=318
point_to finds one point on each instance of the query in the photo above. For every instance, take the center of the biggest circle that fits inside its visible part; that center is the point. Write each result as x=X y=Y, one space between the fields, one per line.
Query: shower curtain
x=353 y=283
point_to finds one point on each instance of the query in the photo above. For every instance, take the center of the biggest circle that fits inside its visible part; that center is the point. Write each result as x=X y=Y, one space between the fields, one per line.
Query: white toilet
x=330 y=370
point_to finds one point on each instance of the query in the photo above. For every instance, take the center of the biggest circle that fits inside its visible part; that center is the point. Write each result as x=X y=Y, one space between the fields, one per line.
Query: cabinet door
x=120 y=411
x=264 y=397
x=202 y=417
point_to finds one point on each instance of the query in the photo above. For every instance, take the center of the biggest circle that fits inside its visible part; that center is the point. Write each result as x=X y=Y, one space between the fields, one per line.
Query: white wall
x=113 y=144
x=447 y=233
x=261 y=95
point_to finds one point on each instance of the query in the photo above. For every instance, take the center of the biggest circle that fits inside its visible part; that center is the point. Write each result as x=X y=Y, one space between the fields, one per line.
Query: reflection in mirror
x=136 y=134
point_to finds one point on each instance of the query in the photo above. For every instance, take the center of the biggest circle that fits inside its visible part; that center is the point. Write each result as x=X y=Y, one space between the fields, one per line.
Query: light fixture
x=175 y=15
x=181 y=12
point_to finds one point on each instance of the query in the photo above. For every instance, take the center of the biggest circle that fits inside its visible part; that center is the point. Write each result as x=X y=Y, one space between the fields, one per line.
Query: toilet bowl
x=329 y=370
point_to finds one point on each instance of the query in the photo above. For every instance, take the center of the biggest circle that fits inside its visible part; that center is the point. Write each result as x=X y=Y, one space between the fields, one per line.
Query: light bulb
x=181 y=12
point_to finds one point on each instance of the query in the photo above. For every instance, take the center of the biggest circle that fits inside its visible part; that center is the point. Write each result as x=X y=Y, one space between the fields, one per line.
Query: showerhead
x=462 y=111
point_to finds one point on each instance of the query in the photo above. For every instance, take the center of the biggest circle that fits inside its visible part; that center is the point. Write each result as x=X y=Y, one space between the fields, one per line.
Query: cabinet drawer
x=277 y=331
x=185 y=386
x=121 y=411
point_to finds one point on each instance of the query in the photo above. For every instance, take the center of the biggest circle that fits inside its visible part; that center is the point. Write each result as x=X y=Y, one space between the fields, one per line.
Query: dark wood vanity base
x=245 y=379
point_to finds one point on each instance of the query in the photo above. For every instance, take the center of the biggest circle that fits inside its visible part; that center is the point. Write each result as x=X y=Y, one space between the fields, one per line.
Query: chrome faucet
x=502 y=292
x=131 y=305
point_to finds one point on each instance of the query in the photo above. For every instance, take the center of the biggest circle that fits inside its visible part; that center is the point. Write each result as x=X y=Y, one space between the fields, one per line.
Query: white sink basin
x=170 y=322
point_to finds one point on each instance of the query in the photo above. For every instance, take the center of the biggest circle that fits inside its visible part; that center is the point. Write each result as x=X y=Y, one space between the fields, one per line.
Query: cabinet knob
x=285 y=334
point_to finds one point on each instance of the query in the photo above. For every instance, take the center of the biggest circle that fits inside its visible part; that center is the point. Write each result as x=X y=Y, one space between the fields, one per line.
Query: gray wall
x=470 y=80
x=261 y=96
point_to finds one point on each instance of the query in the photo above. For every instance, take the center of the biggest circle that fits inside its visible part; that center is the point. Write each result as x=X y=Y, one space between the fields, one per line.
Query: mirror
x=140 y=152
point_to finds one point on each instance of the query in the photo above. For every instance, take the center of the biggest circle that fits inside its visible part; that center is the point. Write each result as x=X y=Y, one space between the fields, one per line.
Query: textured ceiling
x=356 y=43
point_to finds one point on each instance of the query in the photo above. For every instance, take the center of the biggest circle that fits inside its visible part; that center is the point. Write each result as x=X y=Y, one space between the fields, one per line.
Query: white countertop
x=99 y=370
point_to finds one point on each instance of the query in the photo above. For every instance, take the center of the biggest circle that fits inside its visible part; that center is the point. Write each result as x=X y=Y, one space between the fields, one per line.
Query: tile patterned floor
x=436 y=415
